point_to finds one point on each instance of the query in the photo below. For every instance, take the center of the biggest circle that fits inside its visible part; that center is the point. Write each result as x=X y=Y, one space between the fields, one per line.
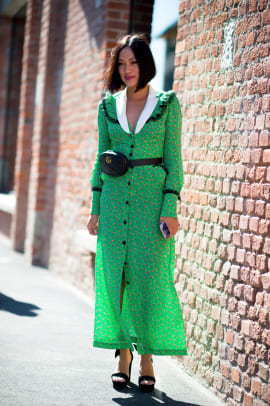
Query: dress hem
x=142 y=352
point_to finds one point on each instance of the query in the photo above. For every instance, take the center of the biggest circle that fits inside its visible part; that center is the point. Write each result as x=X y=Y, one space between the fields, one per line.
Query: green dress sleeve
x=104 y=143
x=172 y=159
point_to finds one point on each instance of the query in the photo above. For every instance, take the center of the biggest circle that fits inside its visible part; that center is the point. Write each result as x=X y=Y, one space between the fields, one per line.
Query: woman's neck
x=139 y=95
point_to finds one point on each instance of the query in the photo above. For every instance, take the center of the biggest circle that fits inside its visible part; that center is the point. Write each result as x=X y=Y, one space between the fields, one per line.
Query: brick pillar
x=5 y=40
x=46 y=132
x=26 y=121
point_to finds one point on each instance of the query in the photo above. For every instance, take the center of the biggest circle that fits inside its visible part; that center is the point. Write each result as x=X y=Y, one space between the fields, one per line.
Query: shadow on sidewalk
x=156 y=398
x=19 y=308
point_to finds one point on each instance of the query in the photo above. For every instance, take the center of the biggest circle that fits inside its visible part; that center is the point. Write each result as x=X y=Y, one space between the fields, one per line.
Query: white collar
x=121 y=106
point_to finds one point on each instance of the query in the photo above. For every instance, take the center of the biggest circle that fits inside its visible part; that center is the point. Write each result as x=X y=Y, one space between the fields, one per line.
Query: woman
x=136 y=301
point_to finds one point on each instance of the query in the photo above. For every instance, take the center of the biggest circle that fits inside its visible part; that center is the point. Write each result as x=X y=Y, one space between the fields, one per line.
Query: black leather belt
x=146 y=161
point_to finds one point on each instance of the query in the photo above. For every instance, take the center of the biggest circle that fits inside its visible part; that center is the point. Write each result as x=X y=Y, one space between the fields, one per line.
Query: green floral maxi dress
x=129 y=238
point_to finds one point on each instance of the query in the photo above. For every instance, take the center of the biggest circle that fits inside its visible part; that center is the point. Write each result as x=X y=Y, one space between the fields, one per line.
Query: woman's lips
x=129 y=77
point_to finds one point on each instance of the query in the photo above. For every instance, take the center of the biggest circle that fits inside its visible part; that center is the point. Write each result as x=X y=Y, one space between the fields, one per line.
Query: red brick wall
x=224 y=244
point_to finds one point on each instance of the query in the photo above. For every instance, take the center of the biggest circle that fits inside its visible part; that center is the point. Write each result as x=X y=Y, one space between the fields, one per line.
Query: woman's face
x=128 y=68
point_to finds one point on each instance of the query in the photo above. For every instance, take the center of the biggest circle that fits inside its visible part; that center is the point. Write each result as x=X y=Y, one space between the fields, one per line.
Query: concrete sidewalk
x=47 y=357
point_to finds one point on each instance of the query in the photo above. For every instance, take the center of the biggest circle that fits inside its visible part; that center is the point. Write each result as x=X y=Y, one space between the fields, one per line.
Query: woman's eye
x=133 y=62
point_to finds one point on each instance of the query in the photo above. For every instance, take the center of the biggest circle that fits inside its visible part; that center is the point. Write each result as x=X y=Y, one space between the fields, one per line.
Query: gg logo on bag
x=108 y=160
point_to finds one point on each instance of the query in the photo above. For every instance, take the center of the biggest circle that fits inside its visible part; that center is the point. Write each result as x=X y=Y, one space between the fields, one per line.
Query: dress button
x=127 y=202
x=127 y=282
x=130 y=154
x=124 y=242
x=125 y=221
x=132 y=146
x=125 y=263
x=129 y=182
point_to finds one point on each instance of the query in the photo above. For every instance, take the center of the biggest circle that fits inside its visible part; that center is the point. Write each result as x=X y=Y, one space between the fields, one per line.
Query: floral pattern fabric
x=129 y=238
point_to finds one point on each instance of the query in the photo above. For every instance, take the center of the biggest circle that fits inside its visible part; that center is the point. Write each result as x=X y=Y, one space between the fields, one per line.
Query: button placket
x=125 y=224
x=126 y=210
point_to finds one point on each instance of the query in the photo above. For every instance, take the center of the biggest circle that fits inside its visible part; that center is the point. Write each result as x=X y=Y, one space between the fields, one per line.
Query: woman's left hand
x=172 y=224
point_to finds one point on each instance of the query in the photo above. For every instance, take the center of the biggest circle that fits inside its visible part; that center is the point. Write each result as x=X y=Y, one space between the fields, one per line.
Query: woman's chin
x=131 y=88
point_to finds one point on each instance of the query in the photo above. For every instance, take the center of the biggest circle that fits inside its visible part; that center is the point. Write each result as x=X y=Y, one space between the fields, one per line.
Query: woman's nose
x=127 y=68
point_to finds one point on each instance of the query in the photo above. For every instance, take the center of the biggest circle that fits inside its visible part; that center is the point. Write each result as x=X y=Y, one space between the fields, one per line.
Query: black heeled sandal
x=119 y=384
x=145 y=387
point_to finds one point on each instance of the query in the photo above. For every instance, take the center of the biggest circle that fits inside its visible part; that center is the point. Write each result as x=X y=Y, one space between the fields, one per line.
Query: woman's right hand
x=92 y=224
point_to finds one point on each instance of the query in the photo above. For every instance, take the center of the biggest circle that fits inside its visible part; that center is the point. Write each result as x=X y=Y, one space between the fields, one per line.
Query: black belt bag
x=115 y=163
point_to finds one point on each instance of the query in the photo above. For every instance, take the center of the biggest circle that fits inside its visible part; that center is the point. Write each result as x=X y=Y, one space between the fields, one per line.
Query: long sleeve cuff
x=169 y=205
x=95 y=206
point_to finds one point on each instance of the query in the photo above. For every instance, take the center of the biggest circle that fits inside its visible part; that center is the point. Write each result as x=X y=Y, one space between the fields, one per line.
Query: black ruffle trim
x=105 y=111
x=162 y=107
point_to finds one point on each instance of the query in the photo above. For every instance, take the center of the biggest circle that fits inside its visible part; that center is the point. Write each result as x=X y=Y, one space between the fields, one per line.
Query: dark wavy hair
x=143 y=55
